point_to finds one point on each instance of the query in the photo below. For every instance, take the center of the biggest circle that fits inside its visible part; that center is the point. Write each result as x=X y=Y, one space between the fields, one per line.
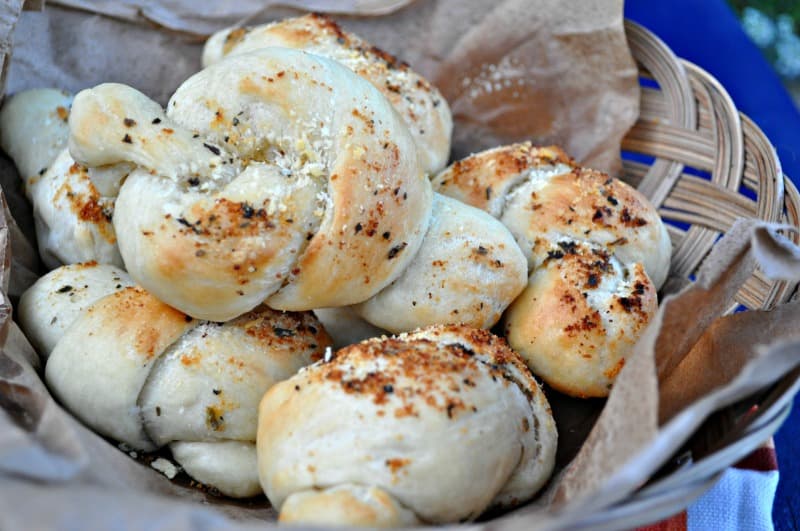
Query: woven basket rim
x=750 y=167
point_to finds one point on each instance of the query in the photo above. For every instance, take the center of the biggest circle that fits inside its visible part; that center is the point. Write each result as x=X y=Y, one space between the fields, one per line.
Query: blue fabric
x=707 y=33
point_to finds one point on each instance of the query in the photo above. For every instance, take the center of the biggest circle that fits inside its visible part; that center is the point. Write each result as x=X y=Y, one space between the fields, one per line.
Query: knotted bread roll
x=53 y=302
x=540 y=194
x=72 y=205
x=435 y=425
x=34 y=130
x=579 y=317
x=596 y=250
x=257 y=184
x=135 y=370
x=468 y=270
x=418 y=103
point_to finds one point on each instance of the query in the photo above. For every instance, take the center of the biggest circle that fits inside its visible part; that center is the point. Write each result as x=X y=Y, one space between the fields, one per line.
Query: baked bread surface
x=274 y=176
x=468 y=270
x=579 y=318
x=447 y=421
x=53 y=302
x=419 y=104
x=142 y=373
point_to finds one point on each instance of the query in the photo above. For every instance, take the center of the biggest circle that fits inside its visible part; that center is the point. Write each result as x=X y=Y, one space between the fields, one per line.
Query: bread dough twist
x=436 y=425
x=418 y=103
x=273 y=175
x=145 y=374
x=596 y=250
x=72 y=205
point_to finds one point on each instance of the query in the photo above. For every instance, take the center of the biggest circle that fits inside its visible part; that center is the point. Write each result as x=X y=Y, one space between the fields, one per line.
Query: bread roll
x=418 y=103
x=135 y=370
x=445 y=422
x=274 y=176
x=541 y=196
x=33 y=130
x=72 y=205
x=579 y=317
x=73 y=218
x=50 y=305
x=467 y=271
x=596 y=249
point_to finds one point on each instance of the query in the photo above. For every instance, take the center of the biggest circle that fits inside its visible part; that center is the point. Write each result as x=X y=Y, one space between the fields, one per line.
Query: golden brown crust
x=287 y=334
x=447 y=420
x=369 y=231
x=586 y=205
x=419 y=104
x=484 y=179
x=352 y=505
x=579 y=317
x=435 y=366
x=136 y=314
x=89 y=206
x=540 y=195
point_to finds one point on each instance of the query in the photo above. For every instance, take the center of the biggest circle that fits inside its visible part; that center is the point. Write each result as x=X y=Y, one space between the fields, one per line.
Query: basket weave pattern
x=688 y=122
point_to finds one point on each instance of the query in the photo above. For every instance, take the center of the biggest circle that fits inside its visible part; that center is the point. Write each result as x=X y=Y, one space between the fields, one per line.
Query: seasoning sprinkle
x=212 y=149
x=282 y=332
x=394 y=251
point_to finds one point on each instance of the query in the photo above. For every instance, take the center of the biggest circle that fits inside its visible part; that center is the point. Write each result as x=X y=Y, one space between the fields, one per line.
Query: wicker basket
x=703 y=164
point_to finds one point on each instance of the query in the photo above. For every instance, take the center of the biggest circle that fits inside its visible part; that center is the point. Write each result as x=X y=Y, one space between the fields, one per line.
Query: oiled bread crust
x=140 y=372
x=468 y=270
x=273 y=176
x=579 y=317
x=541 y=195
x=73 y=212
x=447 y=421
x=418 y=103
x=596 y=249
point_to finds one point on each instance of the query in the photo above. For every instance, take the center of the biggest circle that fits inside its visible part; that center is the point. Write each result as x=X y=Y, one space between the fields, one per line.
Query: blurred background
x=773 y=26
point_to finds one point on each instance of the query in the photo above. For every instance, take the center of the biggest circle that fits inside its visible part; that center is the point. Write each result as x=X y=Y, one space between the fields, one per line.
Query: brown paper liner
x=559 y=72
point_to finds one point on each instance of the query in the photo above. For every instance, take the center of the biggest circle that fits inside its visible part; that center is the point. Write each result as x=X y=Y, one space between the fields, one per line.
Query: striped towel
x=742 y=499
